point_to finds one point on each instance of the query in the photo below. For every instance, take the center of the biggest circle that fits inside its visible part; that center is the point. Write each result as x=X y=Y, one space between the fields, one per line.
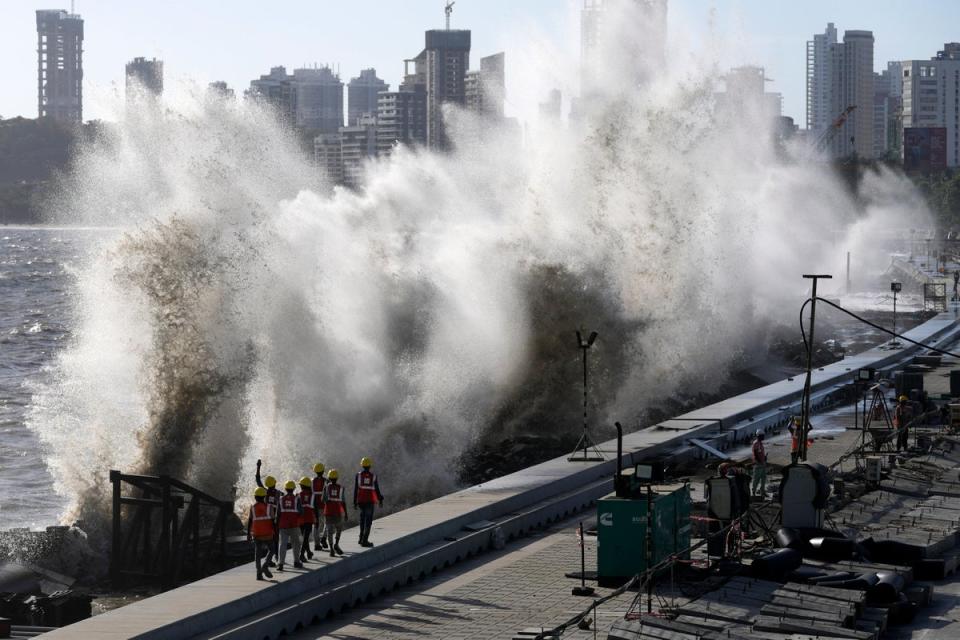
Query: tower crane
x=449 y=10
x=831 y=131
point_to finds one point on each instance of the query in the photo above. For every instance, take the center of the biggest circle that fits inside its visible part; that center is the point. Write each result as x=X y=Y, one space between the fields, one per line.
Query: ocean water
x=36 y=314
x=38 y=294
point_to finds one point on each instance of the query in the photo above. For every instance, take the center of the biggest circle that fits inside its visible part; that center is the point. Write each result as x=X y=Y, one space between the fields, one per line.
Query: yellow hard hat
x=260 y=492
x=289 y=485
x=306 y=482
x=318 y=468
x=270 y=481
x=366 y=462
x=333 y=474
x=903 y=398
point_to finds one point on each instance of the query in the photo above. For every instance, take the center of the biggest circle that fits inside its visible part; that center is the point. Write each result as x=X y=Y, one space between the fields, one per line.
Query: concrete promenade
x=418 y=542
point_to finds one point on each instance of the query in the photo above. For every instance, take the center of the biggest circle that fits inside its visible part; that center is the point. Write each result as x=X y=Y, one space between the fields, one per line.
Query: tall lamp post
x=805 y=412
x=581 y=452
x=895 y=287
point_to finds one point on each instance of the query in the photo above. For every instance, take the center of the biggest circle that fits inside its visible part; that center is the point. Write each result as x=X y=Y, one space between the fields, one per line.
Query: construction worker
x=273 y=499
x=288 y=522
x=902 y=415
x=759 y=452
x=366 y=495
x=334 y=511
x=260 y=530
x=319 y=535
x=795 y=435
x=308 y=517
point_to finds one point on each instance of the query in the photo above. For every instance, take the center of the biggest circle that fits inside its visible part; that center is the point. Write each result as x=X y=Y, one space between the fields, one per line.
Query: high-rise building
x=839 y=76
x=552 y=107
x=486 y=88
x=887 y=90
x=931 y=100
x=819 y=114
x=276 y=89
x=319 y=97
x=622 y=44
x=362 y=95
x=60 y=65
x=746 y=94
x=144 y=75
x=445 y=60
x=851 y=84
x=221 y=89
x=328 y=156
x=358 y=144
x=342 y=155
x=401 y=118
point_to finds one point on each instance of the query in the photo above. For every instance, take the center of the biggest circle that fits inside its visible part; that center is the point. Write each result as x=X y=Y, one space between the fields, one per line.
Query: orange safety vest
x=273 y=497
x=366 y=493
x=318 y=483
x=262 y=514
x=306 y=499
x=333 y=506
x=289 y=514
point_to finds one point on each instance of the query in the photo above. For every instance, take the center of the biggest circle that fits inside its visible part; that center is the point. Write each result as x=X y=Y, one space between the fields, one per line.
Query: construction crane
x=831 y=131
x=449 y=10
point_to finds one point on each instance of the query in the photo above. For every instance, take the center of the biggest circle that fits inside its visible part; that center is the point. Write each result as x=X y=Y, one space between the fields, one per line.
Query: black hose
x=876 y=326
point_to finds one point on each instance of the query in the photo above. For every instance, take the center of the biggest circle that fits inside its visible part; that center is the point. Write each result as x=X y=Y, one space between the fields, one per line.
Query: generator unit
x=622 y=530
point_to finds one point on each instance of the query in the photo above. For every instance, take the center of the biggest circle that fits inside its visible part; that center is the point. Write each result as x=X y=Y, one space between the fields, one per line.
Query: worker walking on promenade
x=288 y=522
x=334 y=512
x=260 y=530
x=308 y=517
x=366 y=495
x=902 y=415
x=319 y=535
x=273 y=499
x=759 y=485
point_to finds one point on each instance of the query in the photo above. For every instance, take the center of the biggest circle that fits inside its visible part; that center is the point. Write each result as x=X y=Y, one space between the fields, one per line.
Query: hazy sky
x=238 y=40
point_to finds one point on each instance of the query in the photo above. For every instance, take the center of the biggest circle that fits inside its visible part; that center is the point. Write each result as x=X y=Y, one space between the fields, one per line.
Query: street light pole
x=805 y=413
x=585 y=443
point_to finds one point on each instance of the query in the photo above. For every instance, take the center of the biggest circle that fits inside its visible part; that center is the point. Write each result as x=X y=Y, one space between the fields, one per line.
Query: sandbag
x=776 y=565
x=887 y=589
x=790 y=538
x=833 y=548
x=861 y=582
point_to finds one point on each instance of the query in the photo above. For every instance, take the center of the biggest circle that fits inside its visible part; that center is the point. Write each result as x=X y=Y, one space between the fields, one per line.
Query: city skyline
x=199 y=42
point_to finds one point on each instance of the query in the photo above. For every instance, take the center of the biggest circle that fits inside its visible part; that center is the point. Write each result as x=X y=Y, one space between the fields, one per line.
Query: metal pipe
x=616 y=479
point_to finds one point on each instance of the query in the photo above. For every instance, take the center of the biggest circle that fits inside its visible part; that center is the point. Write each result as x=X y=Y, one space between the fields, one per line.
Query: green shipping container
x=622 y=532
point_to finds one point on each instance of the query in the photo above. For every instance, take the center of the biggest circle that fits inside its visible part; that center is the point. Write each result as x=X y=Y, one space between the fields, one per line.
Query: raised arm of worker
x=257 y=477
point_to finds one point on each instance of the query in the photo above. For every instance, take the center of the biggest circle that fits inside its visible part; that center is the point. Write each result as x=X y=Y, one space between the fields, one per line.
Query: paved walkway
x=494 y=596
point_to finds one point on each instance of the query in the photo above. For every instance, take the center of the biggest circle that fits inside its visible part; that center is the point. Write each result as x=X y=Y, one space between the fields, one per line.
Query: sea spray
x=247 y=309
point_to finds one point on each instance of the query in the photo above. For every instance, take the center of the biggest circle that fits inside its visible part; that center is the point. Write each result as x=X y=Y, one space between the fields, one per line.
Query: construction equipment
x=449 y=10
x=830 y=132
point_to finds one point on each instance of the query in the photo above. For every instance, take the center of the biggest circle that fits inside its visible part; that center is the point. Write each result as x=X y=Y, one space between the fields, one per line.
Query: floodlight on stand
x=585 y=445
